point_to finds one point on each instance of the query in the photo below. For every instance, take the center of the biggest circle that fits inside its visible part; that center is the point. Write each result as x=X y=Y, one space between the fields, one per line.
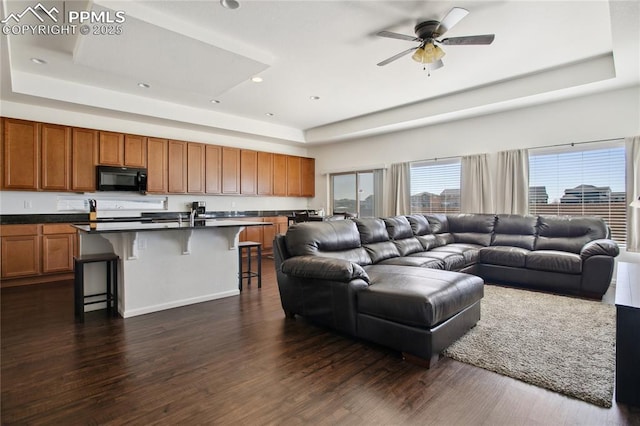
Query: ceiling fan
x=428 y=52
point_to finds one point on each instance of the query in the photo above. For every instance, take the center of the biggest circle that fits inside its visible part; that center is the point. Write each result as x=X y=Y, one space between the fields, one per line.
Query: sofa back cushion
x=439 y=223
x=399 y=230
x=472 y=228
x=337 y=239
x=515 y=230
x=375 y=239
x=419 y=224
x=568 y=233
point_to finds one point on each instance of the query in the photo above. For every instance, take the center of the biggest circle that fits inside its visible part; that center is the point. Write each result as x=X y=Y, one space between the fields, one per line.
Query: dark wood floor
x=239 y=361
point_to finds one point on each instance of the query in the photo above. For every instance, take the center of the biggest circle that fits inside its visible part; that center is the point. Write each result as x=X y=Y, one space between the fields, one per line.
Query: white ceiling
x=191 y=52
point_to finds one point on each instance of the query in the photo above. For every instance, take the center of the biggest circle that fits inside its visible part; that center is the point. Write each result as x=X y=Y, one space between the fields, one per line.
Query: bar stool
x=249 y=273
x=110 y=296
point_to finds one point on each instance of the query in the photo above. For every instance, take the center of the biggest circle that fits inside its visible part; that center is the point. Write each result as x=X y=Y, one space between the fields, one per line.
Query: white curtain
x=512 y=182
x=475 y=185
x=632 y=155
x=400 y=199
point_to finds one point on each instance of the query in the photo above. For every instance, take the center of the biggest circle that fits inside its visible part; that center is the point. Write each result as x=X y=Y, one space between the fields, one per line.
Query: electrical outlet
x=28 y=204
x=142 y=243
x=233 y=204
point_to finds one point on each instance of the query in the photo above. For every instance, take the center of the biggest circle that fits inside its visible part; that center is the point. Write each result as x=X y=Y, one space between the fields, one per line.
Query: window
x=435 y=186
x=580 y=180
x=357 y=192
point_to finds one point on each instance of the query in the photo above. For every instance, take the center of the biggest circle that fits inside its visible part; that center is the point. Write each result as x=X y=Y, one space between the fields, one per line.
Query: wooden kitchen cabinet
x=20 y=251
x=294 y=189
x=248 y=172
x=230 y=170
x=58 y=248
x=157 y=165
x=135 y=151
x=111 y=149
x=307 y=177
x=265 y=173
x=279 y=175
x=195 y=168
x=36 y=253
x=21 y=141
x=279 y=226
x=213 y=169
x=55 y=157
x=84 y=157
x=264 y=234
x=177 y=167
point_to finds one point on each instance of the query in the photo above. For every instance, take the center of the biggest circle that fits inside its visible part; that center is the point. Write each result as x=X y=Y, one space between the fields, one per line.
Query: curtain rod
x=579 y=143
x=537 y=147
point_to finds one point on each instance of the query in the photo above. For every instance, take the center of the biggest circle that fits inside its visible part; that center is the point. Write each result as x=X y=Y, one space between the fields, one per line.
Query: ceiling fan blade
x=398 y=56
x=389 y=34
x=476 y=39
x=454 y=16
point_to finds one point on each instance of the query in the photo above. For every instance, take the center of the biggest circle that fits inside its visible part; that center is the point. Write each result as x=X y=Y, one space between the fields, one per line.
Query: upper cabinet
x=135 y=151
x=84 y=157
x=111 y=149
x=195 y=168
x=213 y=169
x=21 y=140
x=307 y=177
x=265 y=173
x=248 y=172
x=230 y=170
x=293 y=177
x=177 y=167
x=279 y=175
x=55 y=157
x=48 y=157
x=157 y=165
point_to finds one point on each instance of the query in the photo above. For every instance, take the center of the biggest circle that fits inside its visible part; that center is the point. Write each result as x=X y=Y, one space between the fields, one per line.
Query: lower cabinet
x=37 y=253
x=264 y=234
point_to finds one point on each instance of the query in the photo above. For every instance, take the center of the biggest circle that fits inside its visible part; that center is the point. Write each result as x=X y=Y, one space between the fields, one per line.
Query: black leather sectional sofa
x=414 y=283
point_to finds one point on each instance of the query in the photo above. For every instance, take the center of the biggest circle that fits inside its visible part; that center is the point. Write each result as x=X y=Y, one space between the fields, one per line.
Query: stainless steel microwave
x=110 y=178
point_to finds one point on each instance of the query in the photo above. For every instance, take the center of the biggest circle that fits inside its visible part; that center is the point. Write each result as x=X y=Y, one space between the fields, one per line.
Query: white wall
x=600 y=116
x=29 y=202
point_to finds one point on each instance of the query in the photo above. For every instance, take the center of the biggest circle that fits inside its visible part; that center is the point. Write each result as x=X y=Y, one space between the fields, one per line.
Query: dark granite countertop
x=136 y=226
x=20 y=219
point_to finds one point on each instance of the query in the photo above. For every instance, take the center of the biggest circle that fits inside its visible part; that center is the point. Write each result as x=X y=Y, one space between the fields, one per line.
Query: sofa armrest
x=324 y=268
x=602 y=247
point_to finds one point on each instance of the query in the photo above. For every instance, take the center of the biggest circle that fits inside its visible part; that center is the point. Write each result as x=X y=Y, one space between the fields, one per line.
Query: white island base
x=166 y=266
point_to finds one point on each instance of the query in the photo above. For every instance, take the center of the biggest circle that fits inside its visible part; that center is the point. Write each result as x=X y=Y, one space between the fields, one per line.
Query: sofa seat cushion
x=504 y=256
x=422 y=262
x=470 y=252
x=450 y=261
x=417 y=297
x=554 y=261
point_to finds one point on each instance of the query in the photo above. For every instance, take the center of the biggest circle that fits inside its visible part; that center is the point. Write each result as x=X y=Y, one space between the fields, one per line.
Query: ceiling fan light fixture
x=428 y=54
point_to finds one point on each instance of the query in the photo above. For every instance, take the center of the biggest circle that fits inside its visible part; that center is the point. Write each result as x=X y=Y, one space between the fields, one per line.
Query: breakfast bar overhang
x=165 y=265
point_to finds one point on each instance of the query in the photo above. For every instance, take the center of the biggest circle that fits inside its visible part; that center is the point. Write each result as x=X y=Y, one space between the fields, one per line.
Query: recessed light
x=214 y=101
x=257 y=79
x=143 y=85
x=230 y=4
x=314 y=98
x=269 y=114
x=38 y=61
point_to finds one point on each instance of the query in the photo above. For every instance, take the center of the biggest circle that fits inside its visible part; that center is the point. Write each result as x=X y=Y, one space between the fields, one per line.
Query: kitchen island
x=165 y=265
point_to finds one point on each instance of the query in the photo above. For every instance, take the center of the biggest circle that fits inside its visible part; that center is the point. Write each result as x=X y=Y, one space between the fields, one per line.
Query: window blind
x=435 y=186
x=580 y=180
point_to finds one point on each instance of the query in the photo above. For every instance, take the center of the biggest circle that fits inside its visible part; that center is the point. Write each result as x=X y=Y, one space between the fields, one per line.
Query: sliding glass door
x=357 y=192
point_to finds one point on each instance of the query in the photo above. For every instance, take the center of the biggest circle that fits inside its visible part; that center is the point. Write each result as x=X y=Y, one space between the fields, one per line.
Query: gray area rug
x=560 y=343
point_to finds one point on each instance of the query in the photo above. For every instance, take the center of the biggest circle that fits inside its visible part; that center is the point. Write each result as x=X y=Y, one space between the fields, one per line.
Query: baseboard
x=178 y=303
